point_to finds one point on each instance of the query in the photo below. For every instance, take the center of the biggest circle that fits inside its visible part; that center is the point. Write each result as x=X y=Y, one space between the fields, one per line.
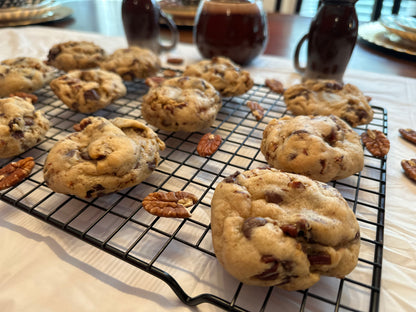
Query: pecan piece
x=408 y=134
x=409 y=167
x=376 y=142
x=169 y=204
x=169 y=73
x=319 y=259
x=174 y=60
x=15 y=172
x=154 y=81
x=208 y=144
x=275 y=85
x=256 y=109
x=27 y=96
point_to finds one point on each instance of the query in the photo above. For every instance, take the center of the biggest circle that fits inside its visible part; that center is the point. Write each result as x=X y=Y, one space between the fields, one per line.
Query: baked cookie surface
x=271 y=228
x=181 y=104
x=88 y=90
x=23 y=74
x=21 y=126
x=104 y=156
x=323 y=148
x=327 y=97
x=75 y=55
x=132 y=63
x=228 y=78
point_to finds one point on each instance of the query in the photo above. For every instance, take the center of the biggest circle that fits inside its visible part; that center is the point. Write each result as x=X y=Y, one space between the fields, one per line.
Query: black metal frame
x=102 y=221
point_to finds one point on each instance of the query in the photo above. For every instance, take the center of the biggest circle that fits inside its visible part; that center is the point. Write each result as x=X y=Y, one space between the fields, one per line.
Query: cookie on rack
x=71 y=55
x=102 y=157
x=21 y=126
x=227 y=77
x=181 y=104
x=132 y=63
x=271 y=228
x=88 y=90
x=327 y=97
x=24 y=74
x=324 y=148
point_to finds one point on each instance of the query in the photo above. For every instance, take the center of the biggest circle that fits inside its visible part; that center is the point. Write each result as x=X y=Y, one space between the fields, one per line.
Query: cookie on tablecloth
x=324 y=148
x=71 y=55
x=132 y=63
x=227 y=77
x=327 y=97
x=271 y=228
x=102 y=157
x=88 y=90
x=21 y=126
x=181 y=104
x=23 y=74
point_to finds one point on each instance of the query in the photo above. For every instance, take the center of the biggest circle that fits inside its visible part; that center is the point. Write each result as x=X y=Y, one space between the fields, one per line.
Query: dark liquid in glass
x=234 y=30
x=332 y=37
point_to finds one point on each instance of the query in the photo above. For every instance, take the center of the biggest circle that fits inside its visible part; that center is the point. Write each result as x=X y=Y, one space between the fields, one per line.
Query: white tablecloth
x=45 y=269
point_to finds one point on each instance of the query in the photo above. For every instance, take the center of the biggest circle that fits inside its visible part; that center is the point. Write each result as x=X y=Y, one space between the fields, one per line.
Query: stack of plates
x=38 y=12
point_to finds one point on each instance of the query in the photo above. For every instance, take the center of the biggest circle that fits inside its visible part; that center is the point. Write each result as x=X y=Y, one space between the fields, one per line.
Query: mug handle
x=174 y=37
x=296 y=58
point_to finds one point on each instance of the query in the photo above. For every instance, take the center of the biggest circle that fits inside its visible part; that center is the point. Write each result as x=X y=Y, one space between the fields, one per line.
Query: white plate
x=24 y=13
x=379 y=36
x=55 y=13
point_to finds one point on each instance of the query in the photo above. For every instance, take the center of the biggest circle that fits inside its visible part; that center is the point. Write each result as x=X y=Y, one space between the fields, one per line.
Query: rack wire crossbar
x=117 y=224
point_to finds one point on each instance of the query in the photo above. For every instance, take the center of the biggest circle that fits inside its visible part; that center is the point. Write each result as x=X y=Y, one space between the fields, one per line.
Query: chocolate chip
x=273 y=197
x=53 y=53
x=91 y=95
x=331 y=138
x=151 y=165
x=85 y=155
x=28 y=121
x=232 y=178
x=296 y=185
x=296 y=132
x=252 y=223
x=96 y=189
x=71 y=153
x=319 y=259
x=333 y=86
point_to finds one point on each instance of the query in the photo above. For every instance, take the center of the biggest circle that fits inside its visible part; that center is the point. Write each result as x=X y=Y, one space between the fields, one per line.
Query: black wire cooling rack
x=117 y=223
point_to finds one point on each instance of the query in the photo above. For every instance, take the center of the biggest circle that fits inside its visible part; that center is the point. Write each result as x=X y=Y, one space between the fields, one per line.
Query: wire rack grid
x=117 y=224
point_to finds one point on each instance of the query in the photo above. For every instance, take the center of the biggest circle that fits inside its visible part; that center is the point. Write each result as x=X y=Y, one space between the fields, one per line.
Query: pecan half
x=174 y=60
x=275 y=85
x=15 y=172
x=408 y=134
x=409 y=167
x=169 y=204
x=376 y=143
x=208 y=144
x=154 y=81
x=256 y=109
x=27 y=96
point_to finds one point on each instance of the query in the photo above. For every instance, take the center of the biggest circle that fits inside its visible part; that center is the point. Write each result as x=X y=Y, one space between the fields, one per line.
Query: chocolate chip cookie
x=23 y=74
x=181 y=104
x=327 y=97
x=75 y=55
x=102 y=157
x=132 y=63
x=323 y=148
x=271 y=228
x=88 y=90
x=228 y=78
x=21 y=126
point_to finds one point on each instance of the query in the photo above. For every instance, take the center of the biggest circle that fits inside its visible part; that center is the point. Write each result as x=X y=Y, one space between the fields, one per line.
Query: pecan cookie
x=88 y=90
x=75 y=55
x=271 y=228
x=23 y=74
x=323 y=148
x=228 y=78
x=181 y=104
x=21 y=126
x=102 y=157
x=132 y=63
x=327 y=97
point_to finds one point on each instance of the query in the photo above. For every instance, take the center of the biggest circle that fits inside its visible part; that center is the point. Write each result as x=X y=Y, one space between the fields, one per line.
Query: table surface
x=284 y=32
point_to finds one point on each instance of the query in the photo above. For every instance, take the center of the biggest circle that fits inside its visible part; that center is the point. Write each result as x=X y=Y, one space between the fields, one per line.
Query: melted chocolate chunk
x=91 y=95
x=319 y=259
x=96 y=189
x=273 y=197
x=53 y=53
x=250 y=224
x=232 y=178
x=331 y=138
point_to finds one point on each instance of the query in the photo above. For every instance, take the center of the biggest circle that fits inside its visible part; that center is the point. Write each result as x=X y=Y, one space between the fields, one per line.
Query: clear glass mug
x=141 y=25
x=236 y=29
